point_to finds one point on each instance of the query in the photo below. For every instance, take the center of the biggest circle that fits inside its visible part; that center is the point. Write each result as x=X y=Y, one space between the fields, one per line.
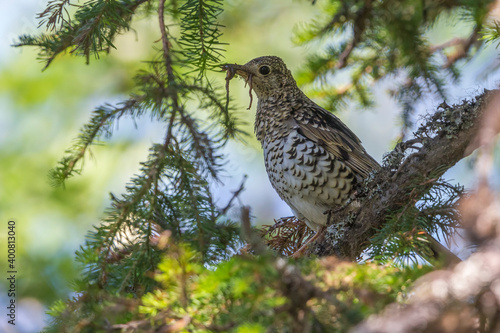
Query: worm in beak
x=231 y=71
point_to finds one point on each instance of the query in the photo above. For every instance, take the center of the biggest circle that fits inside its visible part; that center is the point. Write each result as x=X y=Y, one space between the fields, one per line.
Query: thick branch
x=465 y=298
x=442 y=298
x=444 y=139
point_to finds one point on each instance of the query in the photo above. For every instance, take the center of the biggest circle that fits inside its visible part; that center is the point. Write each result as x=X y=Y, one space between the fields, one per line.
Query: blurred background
x=41 y=113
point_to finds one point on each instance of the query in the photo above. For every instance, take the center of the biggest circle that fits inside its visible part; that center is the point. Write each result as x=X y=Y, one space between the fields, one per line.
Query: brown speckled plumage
x=311 y=157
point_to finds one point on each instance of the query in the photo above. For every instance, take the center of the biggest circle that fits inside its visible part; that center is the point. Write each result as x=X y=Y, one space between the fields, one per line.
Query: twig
x=405 y=163
x=235 y=195
x=165 y=43
x=359 y=26
x=248 y=234
x=170 y=72
x=463 y=46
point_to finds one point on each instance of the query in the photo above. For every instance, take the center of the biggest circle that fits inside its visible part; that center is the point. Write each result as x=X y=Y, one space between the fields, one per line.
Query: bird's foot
x=301 y=251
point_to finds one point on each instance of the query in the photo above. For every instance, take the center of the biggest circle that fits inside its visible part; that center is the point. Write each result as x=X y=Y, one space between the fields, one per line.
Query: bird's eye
x=264 y=70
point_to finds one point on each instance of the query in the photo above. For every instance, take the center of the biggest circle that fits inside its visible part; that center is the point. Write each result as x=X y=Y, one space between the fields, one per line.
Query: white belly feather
x=307 y=177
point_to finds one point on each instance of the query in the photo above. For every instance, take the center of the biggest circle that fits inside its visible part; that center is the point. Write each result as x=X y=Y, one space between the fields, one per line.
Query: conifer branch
x=167 y=57
x=462 y=46
x=92 y=31
x=54 y=15
x=170 y=191
x=100 y=124
x=358 y=26
x=200 y=33
x=388 y=39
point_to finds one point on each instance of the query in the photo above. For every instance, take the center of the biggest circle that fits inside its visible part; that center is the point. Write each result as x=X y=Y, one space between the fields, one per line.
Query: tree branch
x=165 y=43
x=236 y=194
x=359 y=26
x=465 y=298
x=445 y=138
x=462 y=47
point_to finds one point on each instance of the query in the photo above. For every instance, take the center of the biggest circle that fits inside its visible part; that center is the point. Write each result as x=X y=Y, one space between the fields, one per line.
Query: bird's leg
x=300 y=252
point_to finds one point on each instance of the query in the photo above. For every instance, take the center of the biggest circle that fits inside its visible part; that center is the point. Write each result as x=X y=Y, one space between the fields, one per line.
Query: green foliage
x=403 y=236
x=44 y=112
x=362 y=42
x=171 y=190
x=90 y=31
x=491 y=34
x=200 y=34
x=213 y=297
x=249 y=294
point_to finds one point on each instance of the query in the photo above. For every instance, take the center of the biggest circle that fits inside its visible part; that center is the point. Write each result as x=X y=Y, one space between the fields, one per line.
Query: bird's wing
x=326 y=129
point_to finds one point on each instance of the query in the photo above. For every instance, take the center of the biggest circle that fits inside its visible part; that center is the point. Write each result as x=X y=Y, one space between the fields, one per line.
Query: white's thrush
x=313 y=160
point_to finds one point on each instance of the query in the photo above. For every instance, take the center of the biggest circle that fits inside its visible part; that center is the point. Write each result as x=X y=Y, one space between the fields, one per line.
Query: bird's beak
x=235 y=69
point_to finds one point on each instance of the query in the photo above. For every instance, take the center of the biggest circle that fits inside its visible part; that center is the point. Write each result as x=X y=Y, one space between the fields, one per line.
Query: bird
x=313 y=160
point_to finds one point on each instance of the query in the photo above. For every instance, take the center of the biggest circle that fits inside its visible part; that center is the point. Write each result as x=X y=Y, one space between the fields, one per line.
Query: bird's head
x=266 y=75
